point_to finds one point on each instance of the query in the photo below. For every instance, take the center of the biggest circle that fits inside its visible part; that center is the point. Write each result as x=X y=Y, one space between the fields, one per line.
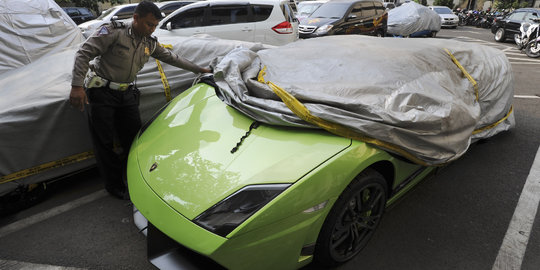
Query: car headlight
x=324 y=29
x=228 y=214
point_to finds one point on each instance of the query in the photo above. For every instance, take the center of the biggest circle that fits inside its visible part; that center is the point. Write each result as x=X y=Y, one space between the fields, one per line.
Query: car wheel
x=353 y=219
x=433 y=34
x=500 y=35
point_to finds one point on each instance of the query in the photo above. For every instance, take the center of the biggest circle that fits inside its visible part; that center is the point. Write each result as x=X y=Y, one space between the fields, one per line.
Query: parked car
x=339 y=17
x=306 y=8
x=267 y=21
x=79 y=14
x=389 y=5
x=121 y=12
x=168 y=7
x=448 y=18
x=508 y=26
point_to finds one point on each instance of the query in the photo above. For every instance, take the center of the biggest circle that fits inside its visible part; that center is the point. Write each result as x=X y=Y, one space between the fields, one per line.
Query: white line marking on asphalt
x=15 y=265
x=23 y=223
x=515 y=241
x=524 y=96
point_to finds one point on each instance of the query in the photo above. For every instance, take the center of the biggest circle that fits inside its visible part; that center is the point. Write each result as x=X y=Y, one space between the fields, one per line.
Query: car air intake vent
x=304 y=29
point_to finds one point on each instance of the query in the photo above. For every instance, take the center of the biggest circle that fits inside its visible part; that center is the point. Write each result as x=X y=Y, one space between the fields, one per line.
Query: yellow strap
x=164 y=81
x=46 y=166
x=467 y=75
x=496 y=123
x=301 y=111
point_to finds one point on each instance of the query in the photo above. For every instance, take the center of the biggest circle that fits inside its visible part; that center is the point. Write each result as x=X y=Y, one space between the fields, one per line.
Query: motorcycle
x=529 y=39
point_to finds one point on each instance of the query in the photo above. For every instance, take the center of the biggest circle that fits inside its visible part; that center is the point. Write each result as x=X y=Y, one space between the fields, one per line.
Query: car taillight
x=283 y=28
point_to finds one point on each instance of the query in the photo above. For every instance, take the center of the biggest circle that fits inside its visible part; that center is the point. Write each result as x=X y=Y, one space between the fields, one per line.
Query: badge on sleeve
x=146 y=51
x=103 y=31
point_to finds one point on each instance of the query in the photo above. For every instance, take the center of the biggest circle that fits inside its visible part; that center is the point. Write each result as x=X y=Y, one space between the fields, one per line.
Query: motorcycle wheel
x=533 y=50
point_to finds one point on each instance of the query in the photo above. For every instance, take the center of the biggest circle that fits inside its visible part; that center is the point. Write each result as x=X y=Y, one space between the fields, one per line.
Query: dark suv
x=340 y=17
x=508 y=26
x=79 y=14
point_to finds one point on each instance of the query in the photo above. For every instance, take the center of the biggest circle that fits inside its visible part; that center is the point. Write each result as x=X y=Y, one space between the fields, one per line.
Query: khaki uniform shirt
x=119 y=54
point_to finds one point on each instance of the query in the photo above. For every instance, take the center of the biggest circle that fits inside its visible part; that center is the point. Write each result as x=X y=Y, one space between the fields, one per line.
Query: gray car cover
x=30 y=29
x=43 y=137
x=404 y=95
x=412 y=17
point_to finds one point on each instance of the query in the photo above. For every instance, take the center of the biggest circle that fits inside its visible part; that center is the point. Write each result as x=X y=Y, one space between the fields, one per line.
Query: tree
x=448 y=3
x=91 y=4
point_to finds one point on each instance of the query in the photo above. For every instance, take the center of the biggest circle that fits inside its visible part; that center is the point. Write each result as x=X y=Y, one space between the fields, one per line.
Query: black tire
x=433 y=34
x=531 y=46
x=500 y=35
x=350 y=224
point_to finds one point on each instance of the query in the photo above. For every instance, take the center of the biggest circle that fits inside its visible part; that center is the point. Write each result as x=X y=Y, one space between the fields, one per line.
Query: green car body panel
x=182 y=165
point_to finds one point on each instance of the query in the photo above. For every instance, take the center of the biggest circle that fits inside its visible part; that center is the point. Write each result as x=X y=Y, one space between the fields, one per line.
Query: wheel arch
x=387 y=170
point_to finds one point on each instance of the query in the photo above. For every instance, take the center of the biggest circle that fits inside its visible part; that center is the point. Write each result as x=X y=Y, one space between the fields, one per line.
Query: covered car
x=264 y=168
x=413 y=19
x=32 y=29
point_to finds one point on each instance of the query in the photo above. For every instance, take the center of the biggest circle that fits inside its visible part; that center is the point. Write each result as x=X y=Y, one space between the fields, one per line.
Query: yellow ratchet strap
x=163 y=77
x=46 y=166
x=301 y=111
x=496 y=123
x=467 y=75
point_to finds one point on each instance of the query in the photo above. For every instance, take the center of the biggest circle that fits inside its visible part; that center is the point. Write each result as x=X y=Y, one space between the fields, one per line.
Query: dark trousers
x=113 y=114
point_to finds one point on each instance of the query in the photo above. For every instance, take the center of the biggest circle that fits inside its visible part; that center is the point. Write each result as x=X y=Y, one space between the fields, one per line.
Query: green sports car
x=220 y=190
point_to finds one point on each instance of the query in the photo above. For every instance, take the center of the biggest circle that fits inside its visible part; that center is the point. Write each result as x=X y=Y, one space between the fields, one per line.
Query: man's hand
x=206 y=70
x=77 y=97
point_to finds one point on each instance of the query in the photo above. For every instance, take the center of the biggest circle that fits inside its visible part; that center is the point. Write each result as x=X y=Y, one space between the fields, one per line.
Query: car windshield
x=331 y=10
x=443 y=10
x=306 y=8
x=105 y=13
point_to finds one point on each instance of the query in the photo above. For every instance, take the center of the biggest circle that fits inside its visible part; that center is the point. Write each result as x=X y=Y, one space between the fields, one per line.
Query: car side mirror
x=114 y=18
x=163 y=15
x=169 y=26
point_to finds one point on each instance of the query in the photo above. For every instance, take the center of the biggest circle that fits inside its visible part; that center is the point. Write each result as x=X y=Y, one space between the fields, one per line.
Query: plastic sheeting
x=30 y=29
x=406 y=93
x=411 y=18
x=43 y=137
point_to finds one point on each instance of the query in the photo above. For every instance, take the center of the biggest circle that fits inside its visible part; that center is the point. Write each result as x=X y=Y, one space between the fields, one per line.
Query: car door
x=230 y=21
x=186 y=23
x=351 y=20
x=369 y=16
x=513 y=22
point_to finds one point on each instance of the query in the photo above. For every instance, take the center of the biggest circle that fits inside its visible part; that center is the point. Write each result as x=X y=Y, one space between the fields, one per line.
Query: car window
x=331 y=10
x=443 y=10
x=168 y=9
x=261 y=12
x=228 y=15
x=531 y=15
x=368 y=9
x=518 y=16
x=189 y=18
x=105 y=13
x=73 y=12
x=288 y=12
x=379 y=8
x=85 y=11
x=125 y=13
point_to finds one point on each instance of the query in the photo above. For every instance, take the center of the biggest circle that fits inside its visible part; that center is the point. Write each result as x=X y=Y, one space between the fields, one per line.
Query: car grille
x=304 y=29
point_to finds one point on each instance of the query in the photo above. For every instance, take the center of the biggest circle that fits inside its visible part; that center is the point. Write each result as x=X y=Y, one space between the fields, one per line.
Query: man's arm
x=173 y=59
x=94 y=46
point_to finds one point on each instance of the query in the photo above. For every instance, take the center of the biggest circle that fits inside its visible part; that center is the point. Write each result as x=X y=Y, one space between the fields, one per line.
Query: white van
x=267 y=21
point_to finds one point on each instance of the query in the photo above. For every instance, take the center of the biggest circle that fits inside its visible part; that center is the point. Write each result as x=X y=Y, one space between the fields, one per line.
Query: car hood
x=91 y=24
x=186 y=157
x=318 y=21
x=448 y=16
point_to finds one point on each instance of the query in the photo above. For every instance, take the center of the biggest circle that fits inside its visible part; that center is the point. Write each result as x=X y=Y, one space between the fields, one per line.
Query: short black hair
x=145 y=7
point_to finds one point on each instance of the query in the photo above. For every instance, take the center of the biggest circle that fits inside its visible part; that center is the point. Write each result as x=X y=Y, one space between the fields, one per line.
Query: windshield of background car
x=331 y=10
x=443 y=10
x=105 y=13
x=306 y=8
x=517 y=16
x=530 y=16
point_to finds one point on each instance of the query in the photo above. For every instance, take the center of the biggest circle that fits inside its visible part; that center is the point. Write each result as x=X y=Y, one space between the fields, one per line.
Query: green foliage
x=448 y=3
x=91 y=4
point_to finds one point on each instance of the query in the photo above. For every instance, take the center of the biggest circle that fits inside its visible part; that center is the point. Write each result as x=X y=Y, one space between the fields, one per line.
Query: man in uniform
x=119 y=52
